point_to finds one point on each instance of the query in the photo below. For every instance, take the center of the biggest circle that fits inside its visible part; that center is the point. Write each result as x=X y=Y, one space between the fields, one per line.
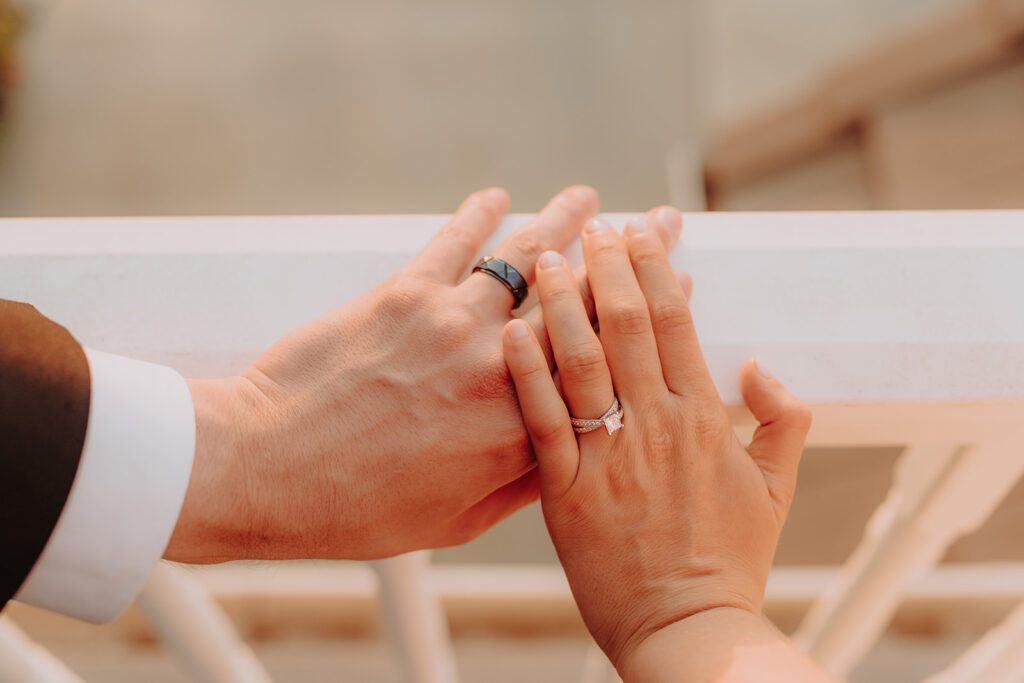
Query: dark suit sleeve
x=44 y=409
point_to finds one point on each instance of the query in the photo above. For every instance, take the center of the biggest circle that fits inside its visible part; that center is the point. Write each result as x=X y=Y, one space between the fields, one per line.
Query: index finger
x=550 y=230
x=450 y=251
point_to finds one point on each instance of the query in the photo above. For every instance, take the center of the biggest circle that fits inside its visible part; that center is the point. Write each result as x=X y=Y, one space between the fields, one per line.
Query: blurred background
x=125 y=107
x=140 y=107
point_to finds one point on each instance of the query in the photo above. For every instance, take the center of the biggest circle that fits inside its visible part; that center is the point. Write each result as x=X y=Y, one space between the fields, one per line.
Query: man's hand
x=389 y=424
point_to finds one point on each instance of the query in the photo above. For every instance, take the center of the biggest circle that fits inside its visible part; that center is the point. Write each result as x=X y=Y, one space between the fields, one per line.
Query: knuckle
x=455 y=330
x=581 y=363
x=507 y=462
x=709 y=426
x=401 y=301
x=533 y=374
x=547 y=430
x=458 y=234
x=662 y=430
x=644 y=254
x=529 y=244
x=672 y=316
x=708 y=437
x=628 y=316
x=560 y=293
x=487 y=382
x=519 y=453
x=660 y=443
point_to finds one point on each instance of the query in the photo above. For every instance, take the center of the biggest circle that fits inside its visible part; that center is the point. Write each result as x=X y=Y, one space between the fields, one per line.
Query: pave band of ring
x=506 y=275
x=611 y=420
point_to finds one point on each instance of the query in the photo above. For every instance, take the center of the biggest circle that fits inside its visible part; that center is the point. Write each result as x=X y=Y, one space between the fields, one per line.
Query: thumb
x=784 y=421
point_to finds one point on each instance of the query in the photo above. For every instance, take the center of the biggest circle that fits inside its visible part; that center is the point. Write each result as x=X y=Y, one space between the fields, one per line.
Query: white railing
x=23 y=660
x=898 y=328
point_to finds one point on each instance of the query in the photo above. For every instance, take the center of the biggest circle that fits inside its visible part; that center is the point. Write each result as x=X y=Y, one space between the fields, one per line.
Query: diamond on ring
x=611 y=421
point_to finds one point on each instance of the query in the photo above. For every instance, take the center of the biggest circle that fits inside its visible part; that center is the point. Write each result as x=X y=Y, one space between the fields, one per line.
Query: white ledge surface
x=904 y=307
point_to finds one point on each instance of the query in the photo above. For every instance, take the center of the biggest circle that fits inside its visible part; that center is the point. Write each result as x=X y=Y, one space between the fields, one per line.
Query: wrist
x=723 y=645
x=713 y=632
x=214 y=523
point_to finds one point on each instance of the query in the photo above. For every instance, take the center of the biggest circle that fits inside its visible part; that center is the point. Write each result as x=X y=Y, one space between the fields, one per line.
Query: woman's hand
x=670 y=516
x=386 y=425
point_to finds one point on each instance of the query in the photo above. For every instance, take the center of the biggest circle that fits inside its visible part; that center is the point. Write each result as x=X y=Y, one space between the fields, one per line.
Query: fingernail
x=583 y=193
x=670 y=218
x=517 y=329
x=597 y=225
x=763 y=371
x=495 y=194
x=550 y=259
x=637 y=226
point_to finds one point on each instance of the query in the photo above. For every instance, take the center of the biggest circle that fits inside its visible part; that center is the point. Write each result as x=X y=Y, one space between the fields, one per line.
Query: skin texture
x=735 y=646
x=387 y=425
x=670 y=521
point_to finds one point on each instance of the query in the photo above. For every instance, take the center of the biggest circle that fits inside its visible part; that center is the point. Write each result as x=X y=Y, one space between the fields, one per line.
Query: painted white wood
x=195 y=628
x=1000 y=582
x=846 y=308
x=24 y=661
x=998 y=657
x=413 y=619
x=939 y=494
x=895 y=327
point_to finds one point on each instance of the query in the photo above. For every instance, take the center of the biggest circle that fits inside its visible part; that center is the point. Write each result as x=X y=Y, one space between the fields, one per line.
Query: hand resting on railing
x=387 y=425
x=666 y=525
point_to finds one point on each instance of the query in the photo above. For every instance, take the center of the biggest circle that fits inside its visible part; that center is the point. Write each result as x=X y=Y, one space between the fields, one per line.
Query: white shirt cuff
x=127 y=493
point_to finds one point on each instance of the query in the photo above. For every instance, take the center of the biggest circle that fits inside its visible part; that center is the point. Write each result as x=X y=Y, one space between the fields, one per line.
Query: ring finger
x=552 y=229
x=586 y=381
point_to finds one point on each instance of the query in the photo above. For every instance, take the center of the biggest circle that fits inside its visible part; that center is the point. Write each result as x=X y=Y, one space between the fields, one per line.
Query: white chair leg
x=998 y=657
x=413 y=619
x=196 y=629
x=938 y=495
x=21 y=659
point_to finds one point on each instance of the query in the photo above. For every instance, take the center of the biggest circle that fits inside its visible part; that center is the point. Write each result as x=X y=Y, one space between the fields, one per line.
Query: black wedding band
x=506 y=275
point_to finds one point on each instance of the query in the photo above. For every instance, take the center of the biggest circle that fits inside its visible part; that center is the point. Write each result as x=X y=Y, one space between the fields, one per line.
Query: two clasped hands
x=423 y=412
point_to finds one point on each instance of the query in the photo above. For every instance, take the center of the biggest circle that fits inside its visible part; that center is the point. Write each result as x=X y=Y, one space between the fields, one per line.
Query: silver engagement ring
x=611 y=420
